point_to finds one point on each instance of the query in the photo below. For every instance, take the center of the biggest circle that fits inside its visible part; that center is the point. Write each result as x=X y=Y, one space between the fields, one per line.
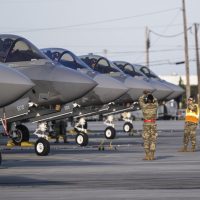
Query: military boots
x=184 y=149
x=147 y=155
x=193 y=148
x=152 y=157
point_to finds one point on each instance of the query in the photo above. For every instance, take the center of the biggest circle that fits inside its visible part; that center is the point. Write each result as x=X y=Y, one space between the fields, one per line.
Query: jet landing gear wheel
x=127 y=127
x=42 y=147
x=21 y=134
x=110 y=132
x=82 y=139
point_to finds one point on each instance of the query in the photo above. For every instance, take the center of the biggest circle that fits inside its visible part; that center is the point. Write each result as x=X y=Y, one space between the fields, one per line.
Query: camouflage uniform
x=149 y=127
x=190 y=129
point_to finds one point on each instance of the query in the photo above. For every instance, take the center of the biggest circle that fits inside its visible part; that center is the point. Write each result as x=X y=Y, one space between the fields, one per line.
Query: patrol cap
x=190 y=98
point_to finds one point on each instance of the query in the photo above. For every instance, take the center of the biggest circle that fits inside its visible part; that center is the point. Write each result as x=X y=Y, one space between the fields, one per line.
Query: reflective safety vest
x=191 y=116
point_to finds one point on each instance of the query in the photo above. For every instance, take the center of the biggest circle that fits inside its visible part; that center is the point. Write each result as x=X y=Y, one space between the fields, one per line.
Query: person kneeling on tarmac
x=149 y=105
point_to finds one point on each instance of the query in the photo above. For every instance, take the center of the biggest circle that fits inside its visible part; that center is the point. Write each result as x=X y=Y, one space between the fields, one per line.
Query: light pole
x=186 y=52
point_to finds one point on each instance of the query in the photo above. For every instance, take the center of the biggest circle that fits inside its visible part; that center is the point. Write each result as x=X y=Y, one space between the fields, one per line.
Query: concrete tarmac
x=72 y=172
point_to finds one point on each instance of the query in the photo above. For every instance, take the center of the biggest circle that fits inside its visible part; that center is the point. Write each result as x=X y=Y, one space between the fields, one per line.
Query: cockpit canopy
x=146 y=71
x=100 y=64
x=128 y=68
x=66 y=58
x=17 y=49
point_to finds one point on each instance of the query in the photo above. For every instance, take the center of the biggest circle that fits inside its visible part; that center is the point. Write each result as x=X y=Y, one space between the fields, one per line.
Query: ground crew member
x=60 y=130
x=191 y=122
x=149 y=106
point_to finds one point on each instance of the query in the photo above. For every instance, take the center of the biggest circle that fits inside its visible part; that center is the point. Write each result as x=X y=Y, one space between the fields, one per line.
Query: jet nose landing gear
x=82 y=139
x=42 y=146
x=110 y=131
x=128 y=125
x=81 y=129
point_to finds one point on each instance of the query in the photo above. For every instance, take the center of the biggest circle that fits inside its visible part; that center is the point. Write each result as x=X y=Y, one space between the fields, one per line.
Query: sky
x=112 y=28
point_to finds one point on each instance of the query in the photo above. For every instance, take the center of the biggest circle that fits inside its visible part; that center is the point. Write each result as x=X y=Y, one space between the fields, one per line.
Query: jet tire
x=127 y=127
x=82 y=139
x=42 y=147
x=110 y=132
x=22 y=134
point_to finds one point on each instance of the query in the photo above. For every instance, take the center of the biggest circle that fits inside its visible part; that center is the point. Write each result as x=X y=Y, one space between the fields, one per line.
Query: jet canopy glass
x=66 y=58
x=100 y=64
x=16 y=49
x=147 y=72
x=127 y=68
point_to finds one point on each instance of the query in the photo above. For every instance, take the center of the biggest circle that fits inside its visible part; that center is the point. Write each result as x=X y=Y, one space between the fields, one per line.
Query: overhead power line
x=169 y=36
x=142 y=52
x=163 y=32
x=167 y=62
x=97 y=22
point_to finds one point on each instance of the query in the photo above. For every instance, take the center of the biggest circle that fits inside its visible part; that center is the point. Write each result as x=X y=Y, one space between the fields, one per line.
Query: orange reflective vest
x=191 y=116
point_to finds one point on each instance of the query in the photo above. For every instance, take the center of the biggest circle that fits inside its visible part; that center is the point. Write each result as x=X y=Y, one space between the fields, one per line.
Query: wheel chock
x=27 y=144
x=101 y=148
x=111 y=147
x=50 y=138
x=10 y=144
x=72 y=131
x=132 y=133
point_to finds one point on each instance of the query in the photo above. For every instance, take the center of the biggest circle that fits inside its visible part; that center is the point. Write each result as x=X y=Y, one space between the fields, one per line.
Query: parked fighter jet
x=95 y=101
x=162 y=90
x=176 y=90
x=125 y=103
x=54 y=85
x=107 y=90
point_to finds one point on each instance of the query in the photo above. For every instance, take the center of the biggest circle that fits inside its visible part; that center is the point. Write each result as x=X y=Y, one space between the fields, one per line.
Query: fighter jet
x=161 y=90
x=54 y=85
x=175 y=90
x=125 y=103
x=107 y=90
x=13 y=85
x=94 y=102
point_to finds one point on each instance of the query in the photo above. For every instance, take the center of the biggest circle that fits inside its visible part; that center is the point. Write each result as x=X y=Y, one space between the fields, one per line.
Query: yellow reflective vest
x=192 y=116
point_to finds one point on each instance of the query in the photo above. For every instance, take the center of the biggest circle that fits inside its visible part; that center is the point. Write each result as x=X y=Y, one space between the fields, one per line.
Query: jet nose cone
x=13 y=85
x=109 y=89
x=162 y=91
x=137 y=87
x=177 y=91
x=71 y=84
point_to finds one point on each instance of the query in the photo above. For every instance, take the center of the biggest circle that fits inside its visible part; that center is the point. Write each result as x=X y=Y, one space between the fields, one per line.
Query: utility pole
x=147 y=45
x=186 y=52
x=105 y=52
x=196 y=26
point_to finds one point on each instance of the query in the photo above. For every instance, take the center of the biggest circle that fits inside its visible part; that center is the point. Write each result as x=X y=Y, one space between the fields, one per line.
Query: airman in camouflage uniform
x=149 y=106
x=191 y=122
